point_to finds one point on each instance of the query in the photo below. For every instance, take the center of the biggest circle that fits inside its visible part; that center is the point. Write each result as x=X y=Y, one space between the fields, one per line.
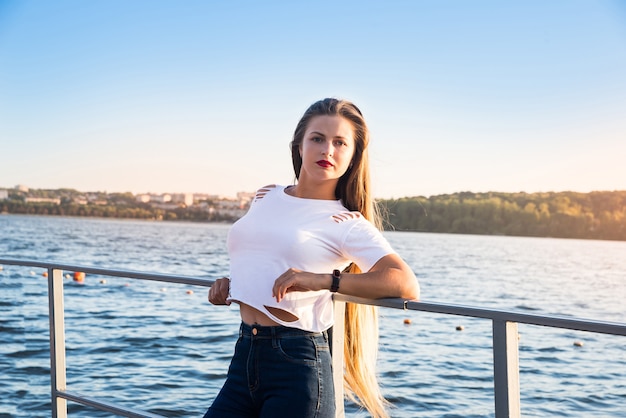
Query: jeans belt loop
x=275 y=338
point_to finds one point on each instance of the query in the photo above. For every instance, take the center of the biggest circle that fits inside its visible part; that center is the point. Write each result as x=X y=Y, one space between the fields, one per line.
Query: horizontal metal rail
x=129 y=274
x=106 y=406
x=504 y=326
x=600 y=327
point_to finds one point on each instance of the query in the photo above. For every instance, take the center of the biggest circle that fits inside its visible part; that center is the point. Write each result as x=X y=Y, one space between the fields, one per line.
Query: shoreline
x=228 y=223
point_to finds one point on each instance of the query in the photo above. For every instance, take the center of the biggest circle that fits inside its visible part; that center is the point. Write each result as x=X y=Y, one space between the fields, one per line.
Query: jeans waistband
x=260 y=331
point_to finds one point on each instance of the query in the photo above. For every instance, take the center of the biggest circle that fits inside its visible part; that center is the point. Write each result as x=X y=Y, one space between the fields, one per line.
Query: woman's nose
x=327 y=148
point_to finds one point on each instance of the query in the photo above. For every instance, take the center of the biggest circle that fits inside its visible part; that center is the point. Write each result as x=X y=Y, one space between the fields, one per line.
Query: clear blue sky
x=203 y=96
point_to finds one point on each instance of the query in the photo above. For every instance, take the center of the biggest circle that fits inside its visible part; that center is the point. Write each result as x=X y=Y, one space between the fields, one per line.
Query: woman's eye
x=317 y=139
x=340 y=143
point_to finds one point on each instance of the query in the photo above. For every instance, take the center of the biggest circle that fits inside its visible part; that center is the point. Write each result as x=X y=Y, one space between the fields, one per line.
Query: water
x=164 y=348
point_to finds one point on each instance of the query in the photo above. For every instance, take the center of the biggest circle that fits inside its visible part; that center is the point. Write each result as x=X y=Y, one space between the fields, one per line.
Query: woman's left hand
x=294 y=280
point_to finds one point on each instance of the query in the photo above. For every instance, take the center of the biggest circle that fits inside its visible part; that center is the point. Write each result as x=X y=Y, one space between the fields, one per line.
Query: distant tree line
x=127 y=210
x=595 y=215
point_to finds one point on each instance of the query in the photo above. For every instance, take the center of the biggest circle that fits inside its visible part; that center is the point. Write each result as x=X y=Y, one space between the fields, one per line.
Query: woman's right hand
x=218 y=293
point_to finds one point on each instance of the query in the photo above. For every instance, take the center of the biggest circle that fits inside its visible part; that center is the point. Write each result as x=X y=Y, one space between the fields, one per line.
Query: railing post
x=506 y=369
x=337 y=356
x=57 y=341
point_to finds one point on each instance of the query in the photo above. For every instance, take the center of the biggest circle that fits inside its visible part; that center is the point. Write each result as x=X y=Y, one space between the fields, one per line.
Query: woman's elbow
x=411 y=290
x=416 y=295
x=408 y=287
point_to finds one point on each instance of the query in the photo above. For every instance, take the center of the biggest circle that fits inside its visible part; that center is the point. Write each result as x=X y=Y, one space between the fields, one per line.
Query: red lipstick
x=324 y=163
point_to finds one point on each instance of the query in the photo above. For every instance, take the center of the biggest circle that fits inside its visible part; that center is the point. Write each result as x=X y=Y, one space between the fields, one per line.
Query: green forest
x=594 y=215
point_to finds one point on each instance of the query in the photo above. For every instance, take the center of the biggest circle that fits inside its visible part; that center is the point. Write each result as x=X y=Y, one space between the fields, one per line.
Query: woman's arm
x=390 y=277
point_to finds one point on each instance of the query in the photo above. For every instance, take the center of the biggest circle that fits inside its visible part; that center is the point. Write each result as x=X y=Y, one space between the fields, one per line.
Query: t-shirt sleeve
x=364 y=244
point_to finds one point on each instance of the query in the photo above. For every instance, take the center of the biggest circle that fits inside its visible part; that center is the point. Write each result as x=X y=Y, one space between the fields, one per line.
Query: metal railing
x=504 y=338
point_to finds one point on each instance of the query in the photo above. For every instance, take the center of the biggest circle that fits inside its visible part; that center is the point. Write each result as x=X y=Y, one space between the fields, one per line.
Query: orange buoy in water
x=190 y=292
x=44 y=274
x=407 y=321
x=79 y=276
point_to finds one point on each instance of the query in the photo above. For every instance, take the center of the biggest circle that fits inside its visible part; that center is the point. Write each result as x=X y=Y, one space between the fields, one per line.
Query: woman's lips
x=324 y=163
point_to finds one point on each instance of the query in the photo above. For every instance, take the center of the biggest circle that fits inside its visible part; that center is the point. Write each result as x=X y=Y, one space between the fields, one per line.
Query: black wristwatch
x=334 y=287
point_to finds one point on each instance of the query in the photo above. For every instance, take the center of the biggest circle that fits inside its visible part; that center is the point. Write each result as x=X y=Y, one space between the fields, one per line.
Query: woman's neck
x=322 y=191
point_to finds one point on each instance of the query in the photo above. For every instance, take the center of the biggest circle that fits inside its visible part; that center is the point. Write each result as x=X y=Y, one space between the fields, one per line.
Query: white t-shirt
x=281 y=231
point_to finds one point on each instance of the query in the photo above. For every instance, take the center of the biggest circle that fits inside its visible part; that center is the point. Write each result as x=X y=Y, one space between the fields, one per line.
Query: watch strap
x=334 y=287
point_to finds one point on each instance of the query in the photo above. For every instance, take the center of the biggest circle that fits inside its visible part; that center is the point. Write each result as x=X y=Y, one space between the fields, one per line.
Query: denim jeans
x=277 y=372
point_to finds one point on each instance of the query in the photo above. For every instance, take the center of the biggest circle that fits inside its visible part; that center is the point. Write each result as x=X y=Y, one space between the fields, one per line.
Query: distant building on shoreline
x=184 y=198
x=143 y=198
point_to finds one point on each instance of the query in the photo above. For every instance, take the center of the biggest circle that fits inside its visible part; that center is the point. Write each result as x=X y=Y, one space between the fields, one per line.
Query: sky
x=203 y=96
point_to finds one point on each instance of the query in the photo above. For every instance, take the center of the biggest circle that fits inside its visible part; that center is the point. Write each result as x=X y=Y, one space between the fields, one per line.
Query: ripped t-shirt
x=281 y=231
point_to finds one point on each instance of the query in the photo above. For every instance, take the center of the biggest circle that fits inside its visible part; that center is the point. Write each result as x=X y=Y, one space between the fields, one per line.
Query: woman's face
x=326 y=149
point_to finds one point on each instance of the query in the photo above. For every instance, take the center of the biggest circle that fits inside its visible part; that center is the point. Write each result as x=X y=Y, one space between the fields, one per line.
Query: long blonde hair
x=354 y=190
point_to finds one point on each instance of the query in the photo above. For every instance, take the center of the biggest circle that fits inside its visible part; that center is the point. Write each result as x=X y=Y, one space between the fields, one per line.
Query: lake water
x=164 y=348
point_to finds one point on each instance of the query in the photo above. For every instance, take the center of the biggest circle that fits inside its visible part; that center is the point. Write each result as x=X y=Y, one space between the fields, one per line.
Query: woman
x=293 y=249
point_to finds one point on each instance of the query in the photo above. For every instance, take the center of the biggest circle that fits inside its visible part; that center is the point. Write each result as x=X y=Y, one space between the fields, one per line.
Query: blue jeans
x=277 y=372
